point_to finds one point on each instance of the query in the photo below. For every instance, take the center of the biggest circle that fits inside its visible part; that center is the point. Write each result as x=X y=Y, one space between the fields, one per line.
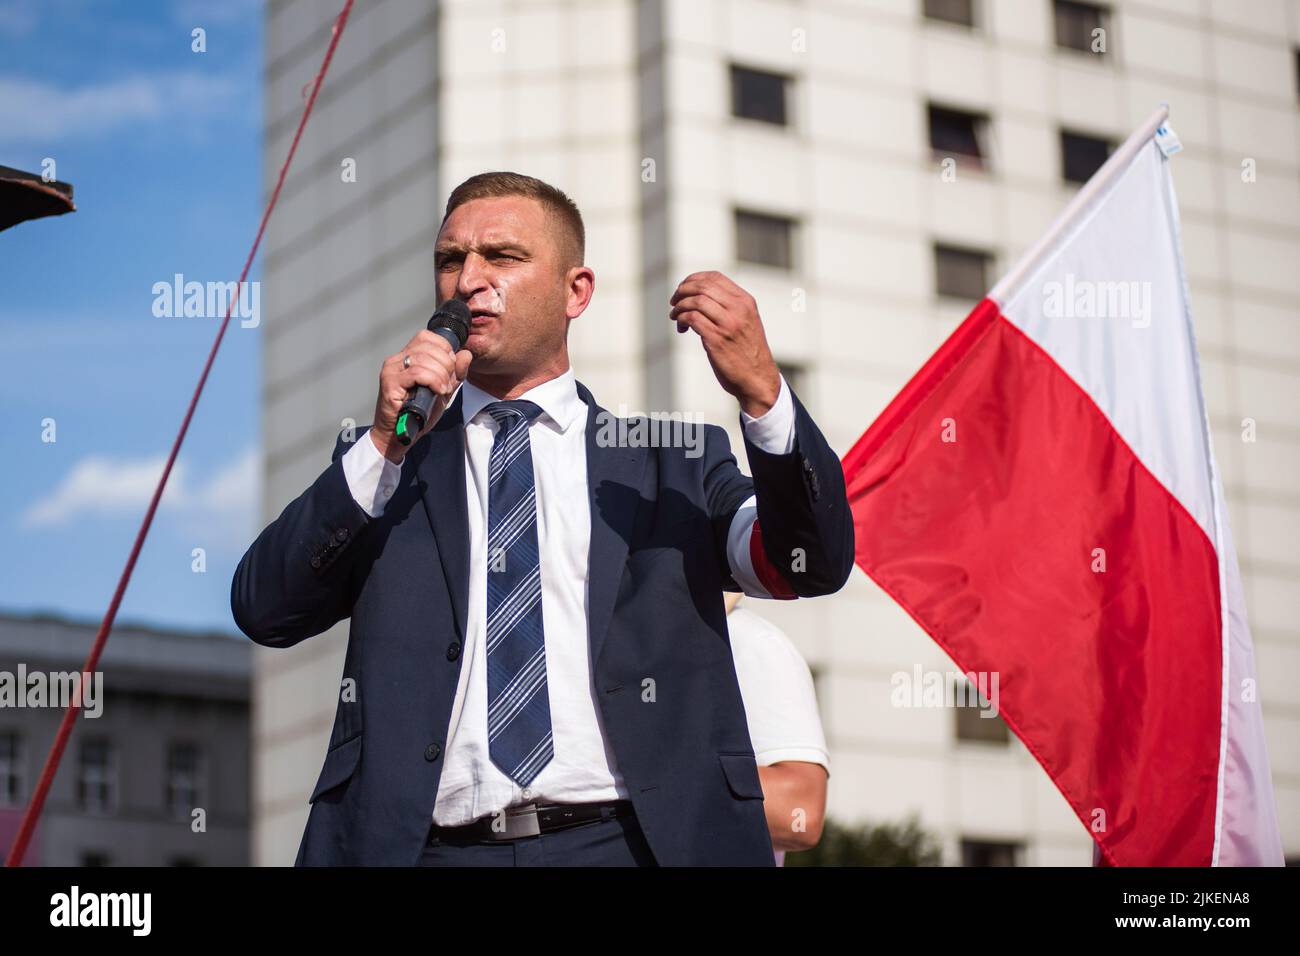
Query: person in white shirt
x=784 y=726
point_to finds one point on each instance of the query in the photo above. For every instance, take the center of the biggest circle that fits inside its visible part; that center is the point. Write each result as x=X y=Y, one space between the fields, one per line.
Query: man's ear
x=574 y=279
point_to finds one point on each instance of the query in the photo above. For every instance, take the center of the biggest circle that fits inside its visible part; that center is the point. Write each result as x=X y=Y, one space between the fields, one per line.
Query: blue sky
x=162 y=145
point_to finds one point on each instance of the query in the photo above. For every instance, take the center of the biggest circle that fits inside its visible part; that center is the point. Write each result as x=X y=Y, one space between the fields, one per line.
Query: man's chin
x=482 y=349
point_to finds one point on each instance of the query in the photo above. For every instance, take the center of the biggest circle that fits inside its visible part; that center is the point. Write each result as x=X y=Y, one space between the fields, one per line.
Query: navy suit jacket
x=658 y=567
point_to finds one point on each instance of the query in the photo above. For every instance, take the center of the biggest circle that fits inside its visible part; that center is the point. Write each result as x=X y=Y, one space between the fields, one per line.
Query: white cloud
x=113 y=487
x=234 y=488
x=36 y=111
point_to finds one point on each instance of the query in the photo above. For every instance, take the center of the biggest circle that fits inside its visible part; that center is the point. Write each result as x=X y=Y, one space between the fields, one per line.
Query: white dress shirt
x=583 y=768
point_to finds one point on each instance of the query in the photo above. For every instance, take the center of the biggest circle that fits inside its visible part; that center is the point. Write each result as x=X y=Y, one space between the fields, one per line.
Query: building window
x=1081 y=26
x=958 y=134
x=971 y=724
x=961 y=273
x=1082 y=155
x=950 y=11
x=764 y=239
x=183 y=773
x=760 y=95
x=990 y=853
x=97 y=780
x=11 y=770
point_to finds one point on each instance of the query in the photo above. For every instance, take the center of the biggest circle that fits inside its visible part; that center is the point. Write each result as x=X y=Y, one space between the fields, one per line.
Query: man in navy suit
x=538 y=669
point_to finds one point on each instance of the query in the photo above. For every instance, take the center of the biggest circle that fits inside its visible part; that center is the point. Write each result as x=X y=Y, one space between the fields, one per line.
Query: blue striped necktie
x=519 y=708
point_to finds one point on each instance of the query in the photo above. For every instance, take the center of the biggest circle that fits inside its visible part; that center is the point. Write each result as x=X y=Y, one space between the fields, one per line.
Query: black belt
x=531 y=819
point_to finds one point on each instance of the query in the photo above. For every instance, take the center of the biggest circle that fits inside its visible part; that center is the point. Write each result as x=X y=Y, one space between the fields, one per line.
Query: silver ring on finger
x=406 y=361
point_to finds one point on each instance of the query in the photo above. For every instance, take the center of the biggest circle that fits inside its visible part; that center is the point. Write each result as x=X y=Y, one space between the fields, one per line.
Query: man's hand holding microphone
x=417 y=383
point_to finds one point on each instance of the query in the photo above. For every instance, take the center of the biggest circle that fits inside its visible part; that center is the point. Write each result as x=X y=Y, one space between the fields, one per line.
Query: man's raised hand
x=726 y=319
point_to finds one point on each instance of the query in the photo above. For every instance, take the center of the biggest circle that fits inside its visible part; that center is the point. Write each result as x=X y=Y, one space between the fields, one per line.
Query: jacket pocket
x=340 y=763
x=741 y=773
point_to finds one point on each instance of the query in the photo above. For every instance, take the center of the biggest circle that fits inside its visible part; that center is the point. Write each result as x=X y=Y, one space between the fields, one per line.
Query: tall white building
x=799 y=147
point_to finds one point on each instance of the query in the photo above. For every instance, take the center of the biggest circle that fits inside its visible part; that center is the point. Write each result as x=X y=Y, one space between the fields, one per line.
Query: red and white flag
x=1043 y=499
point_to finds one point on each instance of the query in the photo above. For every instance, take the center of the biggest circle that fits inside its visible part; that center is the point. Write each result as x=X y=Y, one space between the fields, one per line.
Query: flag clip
x=1167 y=140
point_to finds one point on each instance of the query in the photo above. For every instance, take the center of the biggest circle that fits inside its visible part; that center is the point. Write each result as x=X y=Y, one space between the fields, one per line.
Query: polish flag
x=1043 y=499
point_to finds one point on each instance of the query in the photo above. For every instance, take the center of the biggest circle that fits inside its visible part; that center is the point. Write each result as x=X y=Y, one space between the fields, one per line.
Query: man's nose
x=472 y=278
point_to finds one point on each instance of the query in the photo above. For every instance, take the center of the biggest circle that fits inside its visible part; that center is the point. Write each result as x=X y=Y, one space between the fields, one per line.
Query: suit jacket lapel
x=441 y=471
x=614 y=492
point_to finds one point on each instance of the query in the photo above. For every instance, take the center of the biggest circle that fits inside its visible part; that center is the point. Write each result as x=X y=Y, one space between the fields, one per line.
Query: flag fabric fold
x=1042 y=499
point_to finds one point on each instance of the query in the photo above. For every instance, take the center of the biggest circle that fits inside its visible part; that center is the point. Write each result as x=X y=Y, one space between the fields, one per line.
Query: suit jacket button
x=453 y=651
x=315 y=561
x=431 y=752
x=341 y=535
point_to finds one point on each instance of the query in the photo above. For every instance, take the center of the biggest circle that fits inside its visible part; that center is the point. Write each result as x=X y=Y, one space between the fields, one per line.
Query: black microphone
x=451 y=321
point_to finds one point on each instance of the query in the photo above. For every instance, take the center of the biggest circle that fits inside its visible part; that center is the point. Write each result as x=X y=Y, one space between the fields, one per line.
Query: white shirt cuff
x=773 y=432
x=371 y=477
